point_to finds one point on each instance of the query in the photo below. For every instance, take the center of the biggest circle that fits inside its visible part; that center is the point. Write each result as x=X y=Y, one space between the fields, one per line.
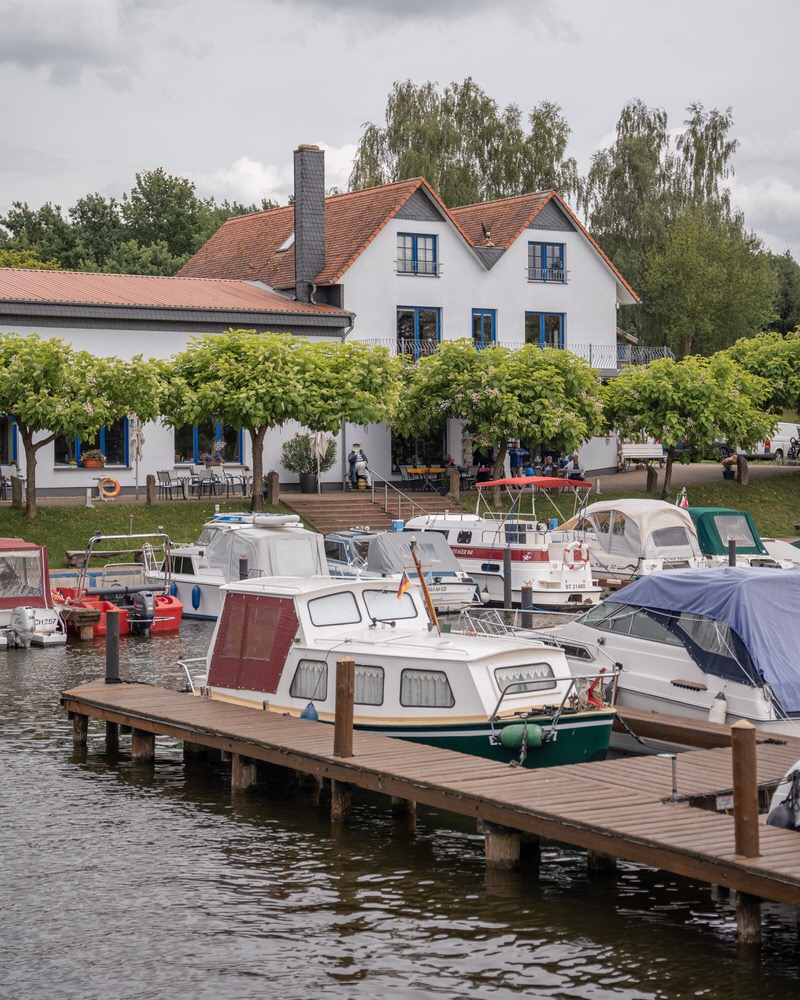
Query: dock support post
x=745 y=789
x=526 y=599
x=343 y=721
x=507 y=589
x=80 y=730
x=243 y=773
x=602 y=865
x=193 y=749
x=748 y=918
x=502 y=845
x=405 y=811
x=112 y=646
x=341 y=801
x=143 y=746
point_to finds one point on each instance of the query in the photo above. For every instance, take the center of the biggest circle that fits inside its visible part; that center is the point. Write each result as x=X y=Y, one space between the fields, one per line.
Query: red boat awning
x=543 y=482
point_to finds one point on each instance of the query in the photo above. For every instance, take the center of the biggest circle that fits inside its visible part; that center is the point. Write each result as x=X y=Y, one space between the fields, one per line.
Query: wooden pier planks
x=622 y=808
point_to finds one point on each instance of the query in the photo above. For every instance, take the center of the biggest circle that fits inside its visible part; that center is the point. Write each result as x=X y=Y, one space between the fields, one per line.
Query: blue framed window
x=484 y=327
x=209 y=441
x=417 y=254
x=418 y=329
x=546 y=262
x=113 y=441
x=544 y=329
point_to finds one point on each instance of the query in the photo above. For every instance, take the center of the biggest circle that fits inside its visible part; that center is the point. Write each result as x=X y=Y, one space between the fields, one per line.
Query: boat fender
x=512 y=737
x=108 y=492
x=575 y=553
x=719 y=708
x=310 y=712
x=173 y=589
x=196 y=596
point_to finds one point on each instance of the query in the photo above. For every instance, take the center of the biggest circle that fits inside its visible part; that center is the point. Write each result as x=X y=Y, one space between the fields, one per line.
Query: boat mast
x=424 y=585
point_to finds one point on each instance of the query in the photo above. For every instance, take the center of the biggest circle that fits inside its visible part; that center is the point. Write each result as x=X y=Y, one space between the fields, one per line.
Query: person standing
x=516 y=458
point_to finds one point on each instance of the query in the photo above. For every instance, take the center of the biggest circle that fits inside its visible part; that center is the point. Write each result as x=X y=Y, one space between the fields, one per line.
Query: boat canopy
x=760 y=610
x=542 y=482
x=716 y=526
x=390 y=552
x=643 y=528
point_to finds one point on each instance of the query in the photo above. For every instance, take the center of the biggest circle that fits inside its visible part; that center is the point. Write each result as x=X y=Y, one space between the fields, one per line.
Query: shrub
x=297 y=454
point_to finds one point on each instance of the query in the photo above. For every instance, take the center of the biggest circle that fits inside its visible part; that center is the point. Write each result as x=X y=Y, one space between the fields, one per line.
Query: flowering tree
x=696 y=399
x=51 y=389
x=502 y=394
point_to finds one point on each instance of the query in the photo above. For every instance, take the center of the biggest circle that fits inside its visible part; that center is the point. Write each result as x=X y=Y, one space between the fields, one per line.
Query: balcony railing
x=422 y=268
x=603 y=356
x=555 y=274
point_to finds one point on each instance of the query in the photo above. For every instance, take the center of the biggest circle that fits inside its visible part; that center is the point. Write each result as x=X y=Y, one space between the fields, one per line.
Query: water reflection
x=140 y=882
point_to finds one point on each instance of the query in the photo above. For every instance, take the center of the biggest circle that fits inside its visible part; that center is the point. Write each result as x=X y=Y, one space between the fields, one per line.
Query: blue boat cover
x=761 y=605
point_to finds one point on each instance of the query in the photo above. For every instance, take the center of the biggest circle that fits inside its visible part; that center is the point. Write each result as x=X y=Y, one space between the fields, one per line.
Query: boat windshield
x=385 y=605
x=21 y=575
x=712 y=644
x=734 y=527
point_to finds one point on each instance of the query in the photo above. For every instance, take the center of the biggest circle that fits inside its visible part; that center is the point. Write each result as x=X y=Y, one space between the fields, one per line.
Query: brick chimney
x=309 y=219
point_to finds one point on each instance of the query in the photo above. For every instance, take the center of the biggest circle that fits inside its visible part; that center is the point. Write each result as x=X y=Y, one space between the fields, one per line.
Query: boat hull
x=168 y=614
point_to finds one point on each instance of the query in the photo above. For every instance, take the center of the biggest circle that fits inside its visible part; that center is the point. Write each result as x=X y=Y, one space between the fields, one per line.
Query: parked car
x=779 y=446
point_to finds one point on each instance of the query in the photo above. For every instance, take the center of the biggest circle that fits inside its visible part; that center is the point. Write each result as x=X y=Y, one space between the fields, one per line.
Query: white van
x=776 y=447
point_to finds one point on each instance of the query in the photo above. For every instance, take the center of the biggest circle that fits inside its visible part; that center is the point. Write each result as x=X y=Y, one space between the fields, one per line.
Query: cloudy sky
x=222 y=91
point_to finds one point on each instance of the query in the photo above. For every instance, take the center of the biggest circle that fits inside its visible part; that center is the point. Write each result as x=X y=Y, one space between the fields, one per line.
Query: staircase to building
x=338 y=510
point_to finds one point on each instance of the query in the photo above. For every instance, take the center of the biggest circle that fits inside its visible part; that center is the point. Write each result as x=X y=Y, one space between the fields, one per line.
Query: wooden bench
x=643 y=453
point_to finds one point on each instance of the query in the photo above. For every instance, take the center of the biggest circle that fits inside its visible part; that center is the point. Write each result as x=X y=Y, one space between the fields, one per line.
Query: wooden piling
x=343 y=722
x=341 y=801
x=80 y=730
x=143 y=746
x=745 y=789
x=748 y=918
x=501 y=845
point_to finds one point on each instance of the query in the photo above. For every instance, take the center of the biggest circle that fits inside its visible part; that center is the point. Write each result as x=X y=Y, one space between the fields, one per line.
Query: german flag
x=405 y=584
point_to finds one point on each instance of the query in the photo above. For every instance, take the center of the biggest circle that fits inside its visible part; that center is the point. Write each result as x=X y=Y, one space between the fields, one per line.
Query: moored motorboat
x=718 y=527
x=137 y=590
x=484 y=543
x=277 y=642
x=28 y=616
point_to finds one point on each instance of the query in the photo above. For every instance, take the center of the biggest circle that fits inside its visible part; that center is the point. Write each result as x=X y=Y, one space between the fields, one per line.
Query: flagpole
x=423 y=584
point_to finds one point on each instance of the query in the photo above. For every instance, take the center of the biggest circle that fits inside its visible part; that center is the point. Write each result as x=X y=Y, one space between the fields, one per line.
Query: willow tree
x=51 y=390
x=502 y=394
x=697 y=399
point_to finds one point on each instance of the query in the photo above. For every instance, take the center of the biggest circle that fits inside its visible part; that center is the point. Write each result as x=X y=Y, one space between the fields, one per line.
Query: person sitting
x=574 y=468
x=548 y=468
x=357 y=460
x=447 y=462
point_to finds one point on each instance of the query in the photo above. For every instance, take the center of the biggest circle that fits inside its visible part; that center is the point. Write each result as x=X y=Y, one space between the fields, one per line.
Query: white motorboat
x=355 y=553
x=718 y=527
x=719 y=644
x=630 y=538
x=28 y=616
x=558 y=577
x=238 y=546
x=276 y=644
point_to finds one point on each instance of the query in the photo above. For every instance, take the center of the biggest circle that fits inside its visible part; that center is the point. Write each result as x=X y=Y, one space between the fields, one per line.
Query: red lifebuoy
x=575 y=553
x=108 y=494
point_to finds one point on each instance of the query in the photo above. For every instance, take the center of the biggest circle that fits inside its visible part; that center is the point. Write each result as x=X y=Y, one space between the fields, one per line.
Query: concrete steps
x=337 y=511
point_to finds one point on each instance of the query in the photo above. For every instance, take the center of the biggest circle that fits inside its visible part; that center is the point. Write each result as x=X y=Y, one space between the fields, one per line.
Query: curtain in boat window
x=310 y=680
x=425 y=689
x=368 y=685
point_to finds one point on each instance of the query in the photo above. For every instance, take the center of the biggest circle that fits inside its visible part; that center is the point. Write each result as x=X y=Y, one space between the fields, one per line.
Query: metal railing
x=604 y=356
x=406 y=506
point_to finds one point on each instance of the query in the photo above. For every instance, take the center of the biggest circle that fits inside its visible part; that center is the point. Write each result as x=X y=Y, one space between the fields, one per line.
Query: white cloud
x=771 y=207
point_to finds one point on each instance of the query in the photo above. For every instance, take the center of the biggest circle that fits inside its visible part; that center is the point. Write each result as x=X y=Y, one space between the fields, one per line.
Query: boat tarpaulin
x=759 y=604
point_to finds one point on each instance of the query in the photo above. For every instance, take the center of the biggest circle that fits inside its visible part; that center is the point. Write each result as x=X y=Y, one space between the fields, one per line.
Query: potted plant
x=298 y=455
x=93 y=458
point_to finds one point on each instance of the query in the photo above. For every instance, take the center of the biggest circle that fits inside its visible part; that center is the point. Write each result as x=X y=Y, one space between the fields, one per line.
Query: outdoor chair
x=167 y=486
x=233 y=480
x=204 y=481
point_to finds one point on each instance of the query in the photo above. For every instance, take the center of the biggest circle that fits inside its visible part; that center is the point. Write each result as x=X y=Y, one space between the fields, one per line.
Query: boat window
x=386 y=606
x=361 y=550
x=673 y=541
x=340 y=608
x=206 y=534
x=425 y=689
x=490 y=567
x=464 y=537
x=624 y=536
x=181 y=564
x=310 y=680
x=627 y=620
x=526 y=677
x=602 y=522
x=369 y=682
x=21 y=575
x=335 y=550
x=734 y=527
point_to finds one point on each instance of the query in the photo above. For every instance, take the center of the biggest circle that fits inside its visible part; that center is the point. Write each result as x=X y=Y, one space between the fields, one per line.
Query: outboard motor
x=22 y=626
x=143 y=613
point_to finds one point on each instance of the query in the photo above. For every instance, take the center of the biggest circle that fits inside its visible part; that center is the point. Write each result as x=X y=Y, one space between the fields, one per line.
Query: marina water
x=128 y=881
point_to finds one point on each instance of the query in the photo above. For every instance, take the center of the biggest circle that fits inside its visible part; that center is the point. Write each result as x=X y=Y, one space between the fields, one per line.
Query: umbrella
x=136 y=442
x=319 y=447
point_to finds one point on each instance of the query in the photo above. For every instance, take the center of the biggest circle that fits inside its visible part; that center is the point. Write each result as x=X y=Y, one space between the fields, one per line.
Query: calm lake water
x=139 y=882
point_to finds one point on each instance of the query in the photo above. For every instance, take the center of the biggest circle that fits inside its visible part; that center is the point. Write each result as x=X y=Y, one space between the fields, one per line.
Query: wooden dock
x=637 y=809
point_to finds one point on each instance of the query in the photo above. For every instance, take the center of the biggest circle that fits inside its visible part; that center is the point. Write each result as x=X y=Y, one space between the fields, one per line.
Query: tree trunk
x=30 y=474
x=668 y=473
x=257 y=436
x=742 y=470
x=497 y=473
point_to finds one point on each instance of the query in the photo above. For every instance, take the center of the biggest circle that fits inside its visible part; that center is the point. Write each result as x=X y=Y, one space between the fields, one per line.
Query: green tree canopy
x=51 y=389
x=697 y=399
x=502 y=394
x=708 y=284
x=776 y=358
x=464 y=145
x=787 y=300
x=27 y=259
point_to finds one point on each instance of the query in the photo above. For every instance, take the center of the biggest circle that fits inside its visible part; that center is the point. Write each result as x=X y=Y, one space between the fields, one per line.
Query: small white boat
x=236 y=546
x=718 y=526
x=719 y=644
x=356 y=553
x=277 y=642
x=559 y=577
x=630 y=538
x=28 y=616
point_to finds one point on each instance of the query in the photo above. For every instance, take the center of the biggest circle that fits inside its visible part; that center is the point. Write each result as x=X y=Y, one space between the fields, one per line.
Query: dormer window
x=417 y=254
x=546 y=262
x=287 y=244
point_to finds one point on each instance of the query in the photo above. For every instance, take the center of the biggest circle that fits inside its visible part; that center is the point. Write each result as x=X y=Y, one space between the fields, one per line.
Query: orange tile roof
x=507 y=218
x=82 y=288
x=247 y=245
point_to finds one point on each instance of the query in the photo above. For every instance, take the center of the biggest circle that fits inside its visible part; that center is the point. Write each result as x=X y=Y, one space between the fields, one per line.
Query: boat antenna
x=424 y=586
